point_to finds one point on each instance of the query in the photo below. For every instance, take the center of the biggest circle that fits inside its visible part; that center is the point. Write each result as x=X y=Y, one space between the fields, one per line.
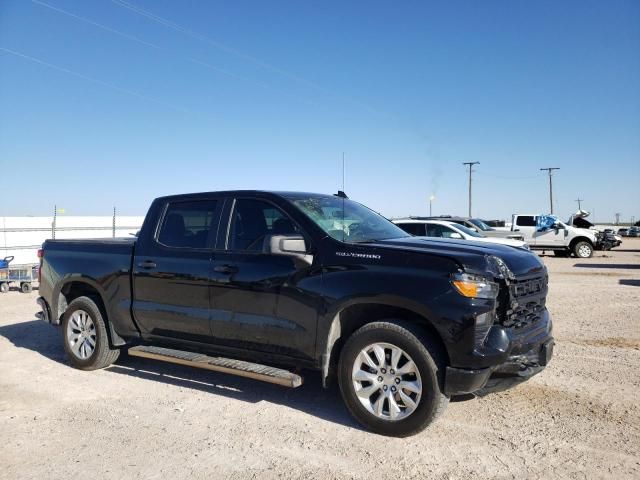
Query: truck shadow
x=309 y=398
x=629 y=282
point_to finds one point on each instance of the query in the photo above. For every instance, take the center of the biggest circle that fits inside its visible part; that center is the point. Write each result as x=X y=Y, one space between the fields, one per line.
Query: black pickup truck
x=266 y=284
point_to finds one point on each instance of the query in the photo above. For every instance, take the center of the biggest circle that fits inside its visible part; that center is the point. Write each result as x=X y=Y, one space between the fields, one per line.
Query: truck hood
x=472 y=256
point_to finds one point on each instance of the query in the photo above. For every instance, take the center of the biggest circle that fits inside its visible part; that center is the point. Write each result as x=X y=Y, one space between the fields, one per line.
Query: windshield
x=468 y=231
x=346 y=220
x=480 y=224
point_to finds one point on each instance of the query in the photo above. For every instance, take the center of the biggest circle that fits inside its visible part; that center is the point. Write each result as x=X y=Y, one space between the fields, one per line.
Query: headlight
x=474 y=286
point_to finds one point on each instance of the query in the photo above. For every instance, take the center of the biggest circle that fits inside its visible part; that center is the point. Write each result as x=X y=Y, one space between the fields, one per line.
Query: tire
x=84 y=322
x=26 y=287
x=561 y=253
x=4 y=287
x=583 y=250
x=369 y=410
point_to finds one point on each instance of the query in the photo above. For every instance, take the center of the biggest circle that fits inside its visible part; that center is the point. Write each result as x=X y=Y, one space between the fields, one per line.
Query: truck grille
x=528 y=299
x=529 y=287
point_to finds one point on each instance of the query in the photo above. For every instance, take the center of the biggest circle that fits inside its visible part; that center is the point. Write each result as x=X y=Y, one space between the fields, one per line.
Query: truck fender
x=61 y=303
x=328 y=340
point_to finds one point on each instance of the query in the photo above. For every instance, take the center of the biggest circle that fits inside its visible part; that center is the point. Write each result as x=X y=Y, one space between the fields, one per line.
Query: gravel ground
x=580 y=418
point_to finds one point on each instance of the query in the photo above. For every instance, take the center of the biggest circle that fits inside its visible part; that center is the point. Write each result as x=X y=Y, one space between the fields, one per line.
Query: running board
x=219 y=364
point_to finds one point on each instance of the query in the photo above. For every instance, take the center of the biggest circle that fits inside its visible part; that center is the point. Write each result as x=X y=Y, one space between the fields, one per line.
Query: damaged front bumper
x=529 y=352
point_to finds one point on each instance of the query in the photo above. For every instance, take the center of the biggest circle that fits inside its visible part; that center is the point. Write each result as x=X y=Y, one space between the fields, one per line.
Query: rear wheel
x=26 y=287
x=583 y=250
x=85 y=336
x=390 y=377
x=4 y=287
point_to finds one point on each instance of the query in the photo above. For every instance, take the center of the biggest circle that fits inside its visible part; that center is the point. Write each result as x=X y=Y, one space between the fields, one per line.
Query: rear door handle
x=147 y=264
x=229 y=269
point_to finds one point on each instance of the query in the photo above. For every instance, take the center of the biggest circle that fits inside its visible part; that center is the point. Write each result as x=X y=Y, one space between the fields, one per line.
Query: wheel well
x=72 y=290
x=355 y=316
x=579 y=239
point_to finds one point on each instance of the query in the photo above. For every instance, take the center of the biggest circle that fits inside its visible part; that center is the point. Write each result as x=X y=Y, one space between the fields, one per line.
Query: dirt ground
x=580 y=418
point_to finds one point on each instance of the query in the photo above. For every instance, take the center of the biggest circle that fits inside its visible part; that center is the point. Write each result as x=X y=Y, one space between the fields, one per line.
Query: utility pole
x=579 y=200
x=550 y=170
x=471 y=164
x=431 y=199
x=618 y=218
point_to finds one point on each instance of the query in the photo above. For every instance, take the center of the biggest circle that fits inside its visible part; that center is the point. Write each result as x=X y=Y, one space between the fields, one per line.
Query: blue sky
x=108 y=103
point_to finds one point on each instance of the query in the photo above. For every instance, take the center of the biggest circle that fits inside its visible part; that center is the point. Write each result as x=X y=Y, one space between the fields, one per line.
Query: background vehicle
x=443 y=229
x=633 y=232
x=623 y=232
x=546 y=232
x=305 y=281
x=23 y=275
x=475 y=224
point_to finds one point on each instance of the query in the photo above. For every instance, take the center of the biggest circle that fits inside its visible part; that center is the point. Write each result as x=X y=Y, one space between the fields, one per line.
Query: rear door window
x=526 y=221
x=189 y=224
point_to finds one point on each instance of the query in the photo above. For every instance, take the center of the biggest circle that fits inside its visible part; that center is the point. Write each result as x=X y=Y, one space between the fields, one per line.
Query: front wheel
x=391 y=378
x=4 y=287
x=85 y=336
x=583 y=250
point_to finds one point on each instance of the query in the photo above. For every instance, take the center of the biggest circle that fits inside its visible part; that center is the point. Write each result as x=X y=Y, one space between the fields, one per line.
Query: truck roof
x=224 y=193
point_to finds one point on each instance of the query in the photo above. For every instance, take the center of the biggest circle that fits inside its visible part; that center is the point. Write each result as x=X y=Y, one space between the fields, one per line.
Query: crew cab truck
x=546 y=232
x=268 y=284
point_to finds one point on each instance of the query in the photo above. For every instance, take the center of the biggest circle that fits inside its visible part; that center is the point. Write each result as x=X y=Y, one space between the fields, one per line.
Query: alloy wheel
x=81 y=334
x=386 y=381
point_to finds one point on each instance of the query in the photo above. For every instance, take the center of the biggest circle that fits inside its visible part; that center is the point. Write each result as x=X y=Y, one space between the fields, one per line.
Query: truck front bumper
x=526 y=359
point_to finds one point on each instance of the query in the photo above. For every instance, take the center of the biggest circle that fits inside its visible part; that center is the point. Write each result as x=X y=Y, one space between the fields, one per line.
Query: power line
x=196 y=61
x=216 y=44
x=471 y=164
x=550 y=171
x=94 y=80
x=99 y=25
x=232 y=51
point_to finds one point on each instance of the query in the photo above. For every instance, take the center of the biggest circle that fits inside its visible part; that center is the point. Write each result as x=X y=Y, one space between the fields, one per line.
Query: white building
x=21 y=237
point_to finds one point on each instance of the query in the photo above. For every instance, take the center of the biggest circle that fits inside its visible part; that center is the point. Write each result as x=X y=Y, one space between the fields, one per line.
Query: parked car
x=235 y=281
x=547 y=232
x=634 y=232
x=475 y=224
x=623 y=232
x=443 y=229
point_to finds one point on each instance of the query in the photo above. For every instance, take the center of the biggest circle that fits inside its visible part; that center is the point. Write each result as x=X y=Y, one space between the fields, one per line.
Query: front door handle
x=228 y=269
x=147 y=264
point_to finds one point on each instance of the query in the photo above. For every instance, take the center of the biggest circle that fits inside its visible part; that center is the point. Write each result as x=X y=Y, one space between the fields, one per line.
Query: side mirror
x=456 y=235
x=290 y=246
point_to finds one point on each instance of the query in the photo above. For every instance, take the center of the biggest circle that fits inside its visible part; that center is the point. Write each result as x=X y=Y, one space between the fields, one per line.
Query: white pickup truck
x=546 y=232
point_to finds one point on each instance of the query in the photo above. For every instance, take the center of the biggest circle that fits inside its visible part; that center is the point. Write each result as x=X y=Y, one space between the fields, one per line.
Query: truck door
x=171 y=271
x=264 y=306
x=550 y=235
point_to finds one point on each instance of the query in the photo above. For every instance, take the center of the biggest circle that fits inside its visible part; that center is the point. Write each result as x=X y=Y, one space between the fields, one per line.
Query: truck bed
x=103 y=262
